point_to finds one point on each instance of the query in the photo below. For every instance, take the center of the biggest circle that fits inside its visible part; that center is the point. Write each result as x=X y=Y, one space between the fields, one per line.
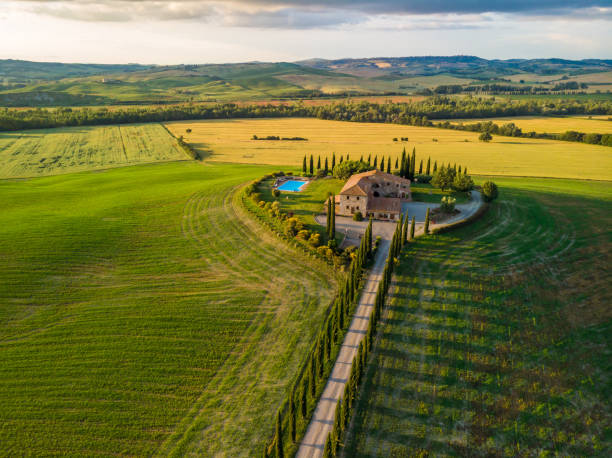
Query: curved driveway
x=313 y=443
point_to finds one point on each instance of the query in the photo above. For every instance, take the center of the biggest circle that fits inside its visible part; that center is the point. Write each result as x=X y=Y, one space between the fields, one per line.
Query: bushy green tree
x=443 y=178
x=462 y=183
x=485 y=137
x=347 y=168
x=489 y=191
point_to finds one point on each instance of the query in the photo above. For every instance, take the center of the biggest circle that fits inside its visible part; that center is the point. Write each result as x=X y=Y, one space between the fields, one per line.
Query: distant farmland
x=230 y=141
x=540 y=124
x=73 y=149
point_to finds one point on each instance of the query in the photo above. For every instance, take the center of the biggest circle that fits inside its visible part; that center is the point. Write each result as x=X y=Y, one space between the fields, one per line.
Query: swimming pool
x=292 y=185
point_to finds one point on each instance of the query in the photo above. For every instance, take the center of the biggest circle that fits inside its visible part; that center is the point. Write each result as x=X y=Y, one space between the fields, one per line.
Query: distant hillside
x=24 y=83
x=465 y=66
x=20 y=70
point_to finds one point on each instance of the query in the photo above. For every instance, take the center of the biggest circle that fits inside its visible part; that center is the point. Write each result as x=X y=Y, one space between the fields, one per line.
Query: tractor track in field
x=219 y=228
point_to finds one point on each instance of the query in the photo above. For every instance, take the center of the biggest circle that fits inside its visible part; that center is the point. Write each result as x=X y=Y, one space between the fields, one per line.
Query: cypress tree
x=389 y=164
x=304 y=398
x=375 y=161
x=412 y=229
x=412 y=163
x=421 y=167
x=312 y=381
x=328 y=221
x=459 y=171
x=382 y=164
x=320 y=357
x=304 y=164
x=435 y=166
x=361 y=158
x=405 y=230
x=328 y=339
x=327 y=451
x=292 y=422
x=280 y=452
x=347 y=157
x=311 y=165
x=369 y=159
x=319 y=163
x=428 y=166
x=455 y=167
x=346 y=414
x=326 y=167
x=332 y=229
x=333 y=161
x=426 y=230
x=337 y=430
x=396 y=163
x=341 y=159
x=465 y=171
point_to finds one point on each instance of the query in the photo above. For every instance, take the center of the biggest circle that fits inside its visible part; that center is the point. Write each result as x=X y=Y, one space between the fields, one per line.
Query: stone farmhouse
x=374 y=193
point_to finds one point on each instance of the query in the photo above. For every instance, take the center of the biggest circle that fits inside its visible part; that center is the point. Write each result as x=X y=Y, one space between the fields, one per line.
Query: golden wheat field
x=230 y=141
x=540 y=124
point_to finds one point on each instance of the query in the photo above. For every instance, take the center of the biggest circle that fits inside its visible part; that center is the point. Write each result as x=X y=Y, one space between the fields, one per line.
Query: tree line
x=512 y=130
x=346 y=403
x=294 y=414
x=418 y=113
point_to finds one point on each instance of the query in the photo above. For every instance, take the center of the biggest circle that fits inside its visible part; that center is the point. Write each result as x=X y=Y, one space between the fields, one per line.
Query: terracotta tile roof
x=384 y=204
x=359 y=184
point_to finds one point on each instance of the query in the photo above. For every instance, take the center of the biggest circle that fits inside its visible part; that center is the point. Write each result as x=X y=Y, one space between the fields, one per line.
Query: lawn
x=307 y=203
x=144 y=313
x=425 y=192
x=72 y=149
x=230 y=141
x=545 y=124
x=497 y=340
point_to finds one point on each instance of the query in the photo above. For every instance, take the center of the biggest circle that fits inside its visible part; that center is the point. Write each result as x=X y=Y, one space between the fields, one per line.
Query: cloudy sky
x=203 y=31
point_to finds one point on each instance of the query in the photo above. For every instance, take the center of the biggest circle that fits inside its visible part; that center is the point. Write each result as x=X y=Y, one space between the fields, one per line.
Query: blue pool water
x=292 y=185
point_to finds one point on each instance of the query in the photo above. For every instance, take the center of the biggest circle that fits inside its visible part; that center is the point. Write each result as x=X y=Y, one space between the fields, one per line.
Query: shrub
x=485 y=137
x=358 y=217
x=321 y=173
x=489 y=191
x=275 y=192
x=304 y=234
x=347 y=168
x=315 y=239
x=293 y=226
x=463 y=182
x=188 y=131
x=325 y=251
x=261 y=203
x=447 y=205
x=422 y=178
x=332 y=244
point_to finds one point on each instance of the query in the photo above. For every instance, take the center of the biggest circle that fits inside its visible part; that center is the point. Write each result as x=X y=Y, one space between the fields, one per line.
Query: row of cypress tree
x=346 y=403
x=317 y=365
x=406 y=168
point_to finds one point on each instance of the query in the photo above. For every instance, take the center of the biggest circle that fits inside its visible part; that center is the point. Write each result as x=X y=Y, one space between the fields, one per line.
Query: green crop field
x=72 y=149
x=497 y=340
x=143 y=313
x=230 y=141
x=542 y=124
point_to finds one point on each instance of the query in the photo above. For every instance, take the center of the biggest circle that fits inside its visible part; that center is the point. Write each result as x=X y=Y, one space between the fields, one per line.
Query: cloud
x=299 y=14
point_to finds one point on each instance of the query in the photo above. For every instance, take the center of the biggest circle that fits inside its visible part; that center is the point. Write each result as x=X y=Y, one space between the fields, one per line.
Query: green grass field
x=551 y=124
x=73 y=149
x=497 y=340
x=230 y=141
x=144 y=313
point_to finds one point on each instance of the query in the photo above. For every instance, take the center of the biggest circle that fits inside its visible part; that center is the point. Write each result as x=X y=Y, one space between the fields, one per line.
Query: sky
x=205 y=31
